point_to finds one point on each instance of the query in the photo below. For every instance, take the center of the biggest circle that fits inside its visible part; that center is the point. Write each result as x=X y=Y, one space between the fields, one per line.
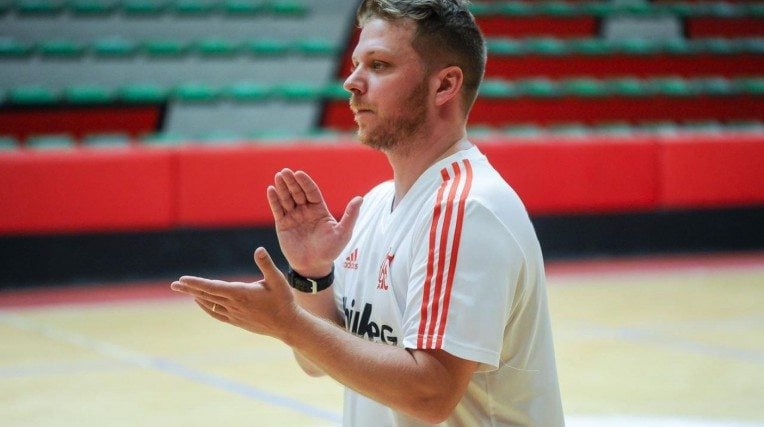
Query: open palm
x=309 y=236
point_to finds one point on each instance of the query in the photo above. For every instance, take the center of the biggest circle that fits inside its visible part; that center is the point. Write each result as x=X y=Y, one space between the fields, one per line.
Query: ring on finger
x=214 y=307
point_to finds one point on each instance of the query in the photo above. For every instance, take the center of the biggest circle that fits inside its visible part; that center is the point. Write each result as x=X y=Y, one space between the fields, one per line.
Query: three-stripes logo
x=351 y=261
x=444 y=238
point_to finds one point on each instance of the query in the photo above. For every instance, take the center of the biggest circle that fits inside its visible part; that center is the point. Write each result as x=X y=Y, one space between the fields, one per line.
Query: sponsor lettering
x=358 y=323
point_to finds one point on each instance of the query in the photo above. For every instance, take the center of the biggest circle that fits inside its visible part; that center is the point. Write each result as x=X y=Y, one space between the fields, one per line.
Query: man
x=435 y=279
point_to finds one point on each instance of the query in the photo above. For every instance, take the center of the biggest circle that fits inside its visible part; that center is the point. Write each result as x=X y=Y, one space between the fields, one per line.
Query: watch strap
x=307 y=284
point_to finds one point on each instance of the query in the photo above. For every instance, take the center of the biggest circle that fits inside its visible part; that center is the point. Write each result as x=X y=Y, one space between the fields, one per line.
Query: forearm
x=320 y=305
x=411 y=382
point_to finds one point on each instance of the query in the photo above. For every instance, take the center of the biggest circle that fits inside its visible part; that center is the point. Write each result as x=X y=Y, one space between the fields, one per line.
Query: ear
x=449 y=84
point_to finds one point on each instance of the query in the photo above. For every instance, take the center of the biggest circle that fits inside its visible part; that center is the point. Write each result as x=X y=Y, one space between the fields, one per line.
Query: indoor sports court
x=138 y=137
x=668 y=341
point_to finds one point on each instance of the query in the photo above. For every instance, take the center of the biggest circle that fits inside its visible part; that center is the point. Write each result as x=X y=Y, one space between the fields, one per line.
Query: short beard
x=395 y=131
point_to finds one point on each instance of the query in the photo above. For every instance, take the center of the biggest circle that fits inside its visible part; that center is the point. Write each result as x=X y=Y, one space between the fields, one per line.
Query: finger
x=282 y=190
x=275 y=203
x=271 y=274
x=348 y=220
x=214 y=290
x=309 y=187
x=217 y=314
x=298 y=195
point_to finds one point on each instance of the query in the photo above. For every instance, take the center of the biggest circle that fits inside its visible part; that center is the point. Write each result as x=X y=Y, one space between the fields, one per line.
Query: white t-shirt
x=456 y=266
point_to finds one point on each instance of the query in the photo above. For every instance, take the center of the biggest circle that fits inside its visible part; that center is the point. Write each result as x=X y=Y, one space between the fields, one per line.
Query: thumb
x=271 y=274
x=347 y=222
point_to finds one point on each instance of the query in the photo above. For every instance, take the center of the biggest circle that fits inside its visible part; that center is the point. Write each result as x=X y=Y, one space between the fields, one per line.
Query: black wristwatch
x=308 y=285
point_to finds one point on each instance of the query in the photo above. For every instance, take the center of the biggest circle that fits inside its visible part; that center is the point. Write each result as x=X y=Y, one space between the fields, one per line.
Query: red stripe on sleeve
x=431 y=259
x=442 y=253
x=454 y=252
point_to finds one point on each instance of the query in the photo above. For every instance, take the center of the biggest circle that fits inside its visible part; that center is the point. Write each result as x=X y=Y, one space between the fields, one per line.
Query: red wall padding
x=226 y=186
x=88 y=190
x=712 y=171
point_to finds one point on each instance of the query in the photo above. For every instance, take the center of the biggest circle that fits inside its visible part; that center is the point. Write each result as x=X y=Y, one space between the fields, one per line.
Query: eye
x=378 y=65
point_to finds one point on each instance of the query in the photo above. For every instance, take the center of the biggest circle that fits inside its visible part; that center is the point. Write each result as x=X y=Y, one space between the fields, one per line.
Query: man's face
x=389 y=88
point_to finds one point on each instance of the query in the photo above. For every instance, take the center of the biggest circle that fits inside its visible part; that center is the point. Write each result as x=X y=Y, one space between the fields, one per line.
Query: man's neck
x=411 y=159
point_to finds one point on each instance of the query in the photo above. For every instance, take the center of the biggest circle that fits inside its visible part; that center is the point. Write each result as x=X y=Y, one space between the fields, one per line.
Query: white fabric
x=456 y=266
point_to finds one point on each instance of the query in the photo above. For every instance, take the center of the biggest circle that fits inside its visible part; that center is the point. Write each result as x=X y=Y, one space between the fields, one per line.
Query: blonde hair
x=446 y=35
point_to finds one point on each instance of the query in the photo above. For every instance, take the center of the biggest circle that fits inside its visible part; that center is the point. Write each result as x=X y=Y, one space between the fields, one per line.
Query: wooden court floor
x=653 y=342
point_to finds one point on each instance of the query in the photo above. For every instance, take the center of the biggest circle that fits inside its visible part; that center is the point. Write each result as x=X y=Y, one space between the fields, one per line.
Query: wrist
x=313 y=272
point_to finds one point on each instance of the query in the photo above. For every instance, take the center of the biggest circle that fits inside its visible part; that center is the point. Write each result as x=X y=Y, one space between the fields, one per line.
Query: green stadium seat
x=628 y=86
x=754 y=9
x=497 y=89
x=315 y=47
x=267 y=47
x=287 y=8
x=718 y=46
x=5 y=6
x=672 y=86
x=32 y=95
x=569 y=129
x=61 y=48
x=165 y=48
x=143 y=7
x=335 y=91
x=194 y=7
x=142 y=94
x=589 y=46
x=514 y=8
x=39 y=7
x=243 y=8
x=297 y=92
x=539 y=88
x=10 y=48
x=220 y=137
x=522 y=130
x=753 y=45
x=50 y=142
x=481 y=9
x=557 y=8
x=585 y=87
x=163 y=139
x=216 y=47
x=636 y=46
x=195 y=92
x=92 y=7
x=504 y=47
x=545 y=46
x=717 y=86
x=750 y=85
x=247 y=92
x=8 y=143
x=107 y=140
x=114 y=47
x=679 y=46
x=88 y=95
x=613 y=128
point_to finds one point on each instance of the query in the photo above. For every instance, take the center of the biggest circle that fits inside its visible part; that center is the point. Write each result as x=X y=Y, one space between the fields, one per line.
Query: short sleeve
x=463 y=278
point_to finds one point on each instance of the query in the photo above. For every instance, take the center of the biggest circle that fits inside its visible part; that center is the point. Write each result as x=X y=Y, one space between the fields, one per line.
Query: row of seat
x=610 y=8
x=120 y=47
x=106 y=140
x=288 y=8
x=492 y=88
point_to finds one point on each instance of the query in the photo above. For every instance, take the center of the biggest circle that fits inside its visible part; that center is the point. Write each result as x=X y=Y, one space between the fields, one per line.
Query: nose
x=355 y=83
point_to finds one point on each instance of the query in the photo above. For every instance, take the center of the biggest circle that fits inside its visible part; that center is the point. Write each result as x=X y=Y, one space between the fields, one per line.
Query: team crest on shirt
x=383 y=280
x=351 y=261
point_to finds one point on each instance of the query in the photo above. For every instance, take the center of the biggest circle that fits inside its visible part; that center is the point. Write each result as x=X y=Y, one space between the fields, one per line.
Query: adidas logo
x=351 y=262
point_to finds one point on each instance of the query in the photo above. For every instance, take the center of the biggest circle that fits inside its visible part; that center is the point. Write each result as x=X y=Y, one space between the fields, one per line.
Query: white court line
x=586 y=330
x=166 y=366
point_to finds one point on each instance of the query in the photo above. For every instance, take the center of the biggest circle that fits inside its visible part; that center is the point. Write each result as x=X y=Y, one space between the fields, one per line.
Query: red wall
x=139 y=188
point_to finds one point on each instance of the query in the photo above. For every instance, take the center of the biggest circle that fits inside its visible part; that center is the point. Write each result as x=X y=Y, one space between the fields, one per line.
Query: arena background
x=137 y=139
